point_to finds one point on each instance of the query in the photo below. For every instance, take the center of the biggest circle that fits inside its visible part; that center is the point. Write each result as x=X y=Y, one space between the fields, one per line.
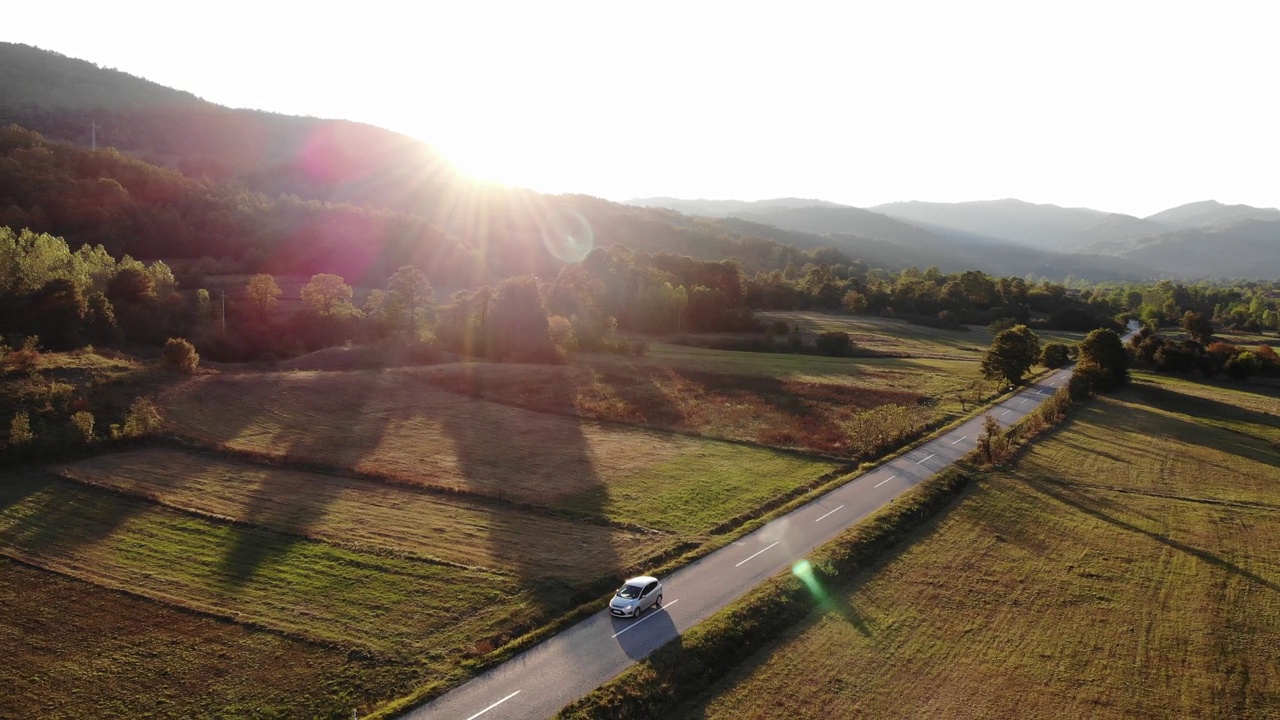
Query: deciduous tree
x=1011 y=355
x=1104 y=350
x=263 y=294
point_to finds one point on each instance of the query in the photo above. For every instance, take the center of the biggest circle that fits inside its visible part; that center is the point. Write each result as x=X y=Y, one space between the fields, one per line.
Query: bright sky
x=1123 y=106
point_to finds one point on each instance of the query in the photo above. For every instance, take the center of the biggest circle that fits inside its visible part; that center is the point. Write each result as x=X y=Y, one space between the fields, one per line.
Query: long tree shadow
x=1063 y=494
x=45 y=515
x=1208 y=409
x=540 y=460
x=308 y=439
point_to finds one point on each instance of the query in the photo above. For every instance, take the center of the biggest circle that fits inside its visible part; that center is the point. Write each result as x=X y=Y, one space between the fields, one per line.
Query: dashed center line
x=744 y=561
x=637 y=622
x=963 y=437
x=819 y=519
x=1006 y=412
x=1024 y=401
x=885 y=481
x=473 y=717
x=930 y=455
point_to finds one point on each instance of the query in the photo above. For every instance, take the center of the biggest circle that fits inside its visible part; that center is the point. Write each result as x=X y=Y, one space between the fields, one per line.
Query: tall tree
x=1011 y=355
x=1102 y=349
x=263 y=294
x=1198 y=325
x=408 y=294
x=327 y=294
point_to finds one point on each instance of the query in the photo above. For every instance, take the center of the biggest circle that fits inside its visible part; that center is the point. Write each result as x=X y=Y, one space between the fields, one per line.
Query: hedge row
x=679 y=671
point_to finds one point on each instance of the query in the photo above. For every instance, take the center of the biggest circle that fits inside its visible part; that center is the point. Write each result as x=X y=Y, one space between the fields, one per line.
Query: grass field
x=806 y=403
x=76 y=650
x=373 y=515
x=381 y=605
x=395 y=424
x=1127 y=565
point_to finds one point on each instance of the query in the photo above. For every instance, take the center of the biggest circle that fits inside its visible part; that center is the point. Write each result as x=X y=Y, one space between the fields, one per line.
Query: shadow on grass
x=1088 y=505
x=274 y=508
x=1209 y=409
x=841 y=606
x=49 y=515
x=489 y=452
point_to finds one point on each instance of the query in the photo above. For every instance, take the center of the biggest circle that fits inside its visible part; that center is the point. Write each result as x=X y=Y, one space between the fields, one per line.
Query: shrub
x=994 y=446
x=562 y=334
x=1001 y=324
x=83 y=422
x=1054 y=355
x=1084 y=381
x=835 y=343
x=20 y=429
x=180 y=356
x=26 y=358
x=1242 y=366
x=143 y=419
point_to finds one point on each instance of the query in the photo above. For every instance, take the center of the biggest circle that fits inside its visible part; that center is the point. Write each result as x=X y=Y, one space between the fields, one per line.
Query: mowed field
x=396 y=425
x=1126 y=566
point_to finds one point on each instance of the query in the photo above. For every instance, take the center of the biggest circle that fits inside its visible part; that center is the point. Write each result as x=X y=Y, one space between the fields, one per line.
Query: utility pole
x=94 y=135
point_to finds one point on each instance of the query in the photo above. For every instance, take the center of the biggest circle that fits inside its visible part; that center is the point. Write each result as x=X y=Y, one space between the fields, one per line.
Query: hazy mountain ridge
x=344 y=162
x=1210 y=212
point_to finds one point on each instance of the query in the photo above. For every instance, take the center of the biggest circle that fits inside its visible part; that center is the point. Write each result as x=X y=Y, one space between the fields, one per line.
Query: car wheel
x=658 y=603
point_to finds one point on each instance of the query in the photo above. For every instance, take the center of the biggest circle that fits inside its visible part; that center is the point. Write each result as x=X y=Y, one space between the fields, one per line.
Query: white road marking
x=637 y=622
x=828 y=513
x=1006 y=412
x=473 y=717
x=930 y=455
x=885 y=481
x=963 y=437
x=1024 y=401
x=741 y=563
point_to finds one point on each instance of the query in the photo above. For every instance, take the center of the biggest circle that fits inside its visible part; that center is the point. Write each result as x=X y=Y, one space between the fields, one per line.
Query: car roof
x=641 y=580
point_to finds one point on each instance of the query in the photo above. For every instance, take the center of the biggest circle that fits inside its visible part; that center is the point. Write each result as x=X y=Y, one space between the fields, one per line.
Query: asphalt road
x=545 y=678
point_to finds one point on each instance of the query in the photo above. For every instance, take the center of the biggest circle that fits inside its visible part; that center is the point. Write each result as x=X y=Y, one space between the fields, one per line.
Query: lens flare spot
x=568 y=236
x=803 y=570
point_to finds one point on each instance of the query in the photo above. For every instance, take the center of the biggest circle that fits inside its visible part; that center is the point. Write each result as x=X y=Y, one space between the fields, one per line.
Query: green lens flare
x=803 y=570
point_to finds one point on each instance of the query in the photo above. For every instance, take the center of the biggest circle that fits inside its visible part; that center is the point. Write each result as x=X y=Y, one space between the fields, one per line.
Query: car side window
x=650 y=588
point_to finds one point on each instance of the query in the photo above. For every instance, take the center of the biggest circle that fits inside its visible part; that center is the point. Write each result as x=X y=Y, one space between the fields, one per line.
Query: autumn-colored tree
x=263 y=294
x=1199 y=326
x=327 y=294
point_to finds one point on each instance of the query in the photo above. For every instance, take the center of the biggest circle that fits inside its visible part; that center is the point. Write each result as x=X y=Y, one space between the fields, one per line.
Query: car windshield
x=630 y=592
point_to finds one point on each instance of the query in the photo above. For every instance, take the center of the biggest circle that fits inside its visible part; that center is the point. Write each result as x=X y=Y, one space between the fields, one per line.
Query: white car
x=635 y=596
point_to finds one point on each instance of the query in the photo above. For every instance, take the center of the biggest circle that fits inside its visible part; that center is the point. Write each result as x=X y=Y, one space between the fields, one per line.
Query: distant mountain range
x=338 y=161
x=1198 y=240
